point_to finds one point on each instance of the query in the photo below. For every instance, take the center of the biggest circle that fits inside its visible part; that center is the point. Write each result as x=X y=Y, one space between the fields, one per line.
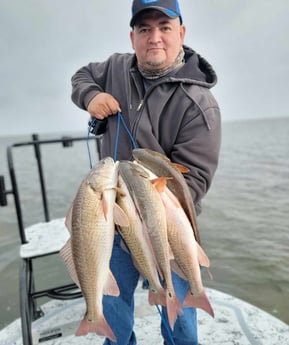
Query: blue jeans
x=119 y=311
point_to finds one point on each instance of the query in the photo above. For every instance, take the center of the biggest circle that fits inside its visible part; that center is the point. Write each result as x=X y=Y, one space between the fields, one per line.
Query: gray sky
x=44 y=42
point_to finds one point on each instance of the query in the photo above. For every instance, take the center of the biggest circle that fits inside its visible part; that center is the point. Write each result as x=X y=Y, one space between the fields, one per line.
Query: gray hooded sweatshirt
x=177 y=115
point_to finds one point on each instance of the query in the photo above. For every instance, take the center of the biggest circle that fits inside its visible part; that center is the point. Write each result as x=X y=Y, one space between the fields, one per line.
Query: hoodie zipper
x=140 y=105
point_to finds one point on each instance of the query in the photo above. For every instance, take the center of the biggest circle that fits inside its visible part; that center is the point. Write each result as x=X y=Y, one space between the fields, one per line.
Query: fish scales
x=150 y=207
x=139 y=245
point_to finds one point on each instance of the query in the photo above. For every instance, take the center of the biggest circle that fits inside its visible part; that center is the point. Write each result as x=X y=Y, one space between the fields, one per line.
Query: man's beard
x=154 y=63
x=151 y=71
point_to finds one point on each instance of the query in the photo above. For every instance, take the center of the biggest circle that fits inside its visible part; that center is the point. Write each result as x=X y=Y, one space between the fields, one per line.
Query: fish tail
x=157 y=297
x=100 y=327
x=174 y=308
x=201 y=301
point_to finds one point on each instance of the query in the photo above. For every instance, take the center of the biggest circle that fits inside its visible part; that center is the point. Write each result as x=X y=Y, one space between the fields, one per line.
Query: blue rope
x=134 y=144
x=163 y=318
x=165 y=322
x=117 y=136
x=120 y=120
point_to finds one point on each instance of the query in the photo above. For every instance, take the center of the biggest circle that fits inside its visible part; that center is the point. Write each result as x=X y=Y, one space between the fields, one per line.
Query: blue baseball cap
x=170 y=8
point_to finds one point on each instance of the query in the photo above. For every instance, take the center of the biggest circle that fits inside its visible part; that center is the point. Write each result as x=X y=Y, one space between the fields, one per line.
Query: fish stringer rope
x=91 y=124
x=120 y=120
x=162 y=316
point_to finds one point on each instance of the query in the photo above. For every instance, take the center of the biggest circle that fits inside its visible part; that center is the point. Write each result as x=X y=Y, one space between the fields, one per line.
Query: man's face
x=157 y=39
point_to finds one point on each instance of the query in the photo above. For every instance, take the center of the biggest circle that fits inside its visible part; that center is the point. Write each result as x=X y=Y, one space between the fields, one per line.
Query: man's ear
x=132 y=38
x=182 y=33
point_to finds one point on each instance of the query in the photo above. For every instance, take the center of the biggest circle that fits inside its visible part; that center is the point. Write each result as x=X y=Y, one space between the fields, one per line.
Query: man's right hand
x=103 y=105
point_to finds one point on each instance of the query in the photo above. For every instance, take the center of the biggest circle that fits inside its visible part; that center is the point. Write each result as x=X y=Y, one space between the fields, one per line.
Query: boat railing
x=36 y=143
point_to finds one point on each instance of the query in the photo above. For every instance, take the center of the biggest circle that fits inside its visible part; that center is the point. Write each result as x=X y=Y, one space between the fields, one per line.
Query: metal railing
x=36 y=143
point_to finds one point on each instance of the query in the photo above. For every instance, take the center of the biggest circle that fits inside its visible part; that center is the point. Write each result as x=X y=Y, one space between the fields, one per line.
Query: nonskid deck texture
x=236 y=322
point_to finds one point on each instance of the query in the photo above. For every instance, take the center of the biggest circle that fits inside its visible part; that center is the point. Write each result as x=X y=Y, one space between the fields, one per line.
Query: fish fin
x=204 y=260
x=105 y=206
x=210 y=275
x=202 y=256
x=66 y=255
x=160 y=183
x=101 y=327
x=200 y=301
x=176 y=268
x=182 y=169
x=174 y=308
x=124 y=246
x=111 y=287
x=119 y=216
x=68 y=219
x=157 y=297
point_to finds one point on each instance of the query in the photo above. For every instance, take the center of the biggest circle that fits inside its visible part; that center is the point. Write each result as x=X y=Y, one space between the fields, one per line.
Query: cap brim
x=166 y=12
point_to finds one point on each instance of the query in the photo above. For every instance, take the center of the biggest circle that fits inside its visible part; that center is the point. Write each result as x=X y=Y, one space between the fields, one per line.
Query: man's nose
x=155 y=36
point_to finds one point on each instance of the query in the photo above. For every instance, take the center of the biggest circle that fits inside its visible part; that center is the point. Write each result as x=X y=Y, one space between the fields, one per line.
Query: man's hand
x=103 y=105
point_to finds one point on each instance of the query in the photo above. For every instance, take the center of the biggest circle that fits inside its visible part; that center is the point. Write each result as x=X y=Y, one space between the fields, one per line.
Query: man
x=163 y=93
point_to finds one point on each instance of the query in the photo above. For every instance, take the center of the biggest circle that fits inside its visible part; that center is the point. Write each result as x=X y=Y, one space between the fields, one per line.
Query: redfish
x=138 y=243
x=91 y=222
x=151 y=210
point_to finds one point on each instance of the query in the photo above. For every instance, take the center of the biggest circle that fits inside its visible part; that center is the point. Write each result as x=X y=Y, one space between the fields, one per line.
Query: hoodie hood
x=196 y=70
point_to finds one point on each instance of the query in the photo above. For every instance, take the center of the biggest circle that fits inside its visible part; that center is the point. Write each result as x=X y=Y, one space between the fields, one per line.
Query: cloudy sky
x=44 y=42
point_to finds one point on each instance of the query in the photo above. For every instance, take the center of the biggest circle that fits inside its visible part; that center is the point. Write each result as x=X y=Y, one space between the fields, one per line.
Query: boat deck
x=235 y=322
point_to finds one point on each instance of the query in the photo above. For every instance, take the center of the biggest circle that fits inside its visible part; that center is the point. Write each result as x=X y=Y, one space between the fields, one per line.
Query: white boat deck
x=44 y=238
x=236 y=322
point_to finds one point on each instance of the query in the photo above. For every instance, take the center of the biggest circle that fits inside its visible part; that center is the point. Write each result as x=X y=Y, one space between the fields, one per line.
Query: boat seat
x=44 y=239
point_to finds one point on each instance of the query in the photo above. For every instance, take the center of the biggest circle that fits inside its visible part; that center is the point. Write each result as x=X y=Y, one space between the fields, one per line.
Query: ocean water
x=244 y=223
